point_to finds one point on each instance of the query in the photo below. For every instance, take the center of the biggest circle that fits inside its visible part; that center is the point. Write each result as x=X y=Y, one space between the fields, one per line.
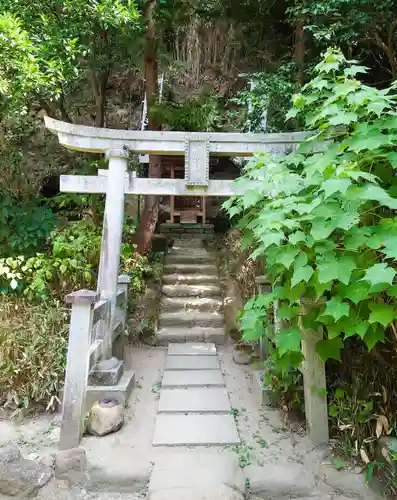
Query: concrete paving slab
x=192 y=378
x=193 y=349
x=192 y=363
x=201 y=468
x=195 y=430
x=194 y=399
x=220 y=492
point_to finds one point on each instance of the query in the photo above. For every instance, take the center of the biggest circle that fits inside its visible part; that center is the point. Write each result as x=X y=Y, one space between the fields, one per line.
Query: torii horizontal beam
x=100 y=140
x=160 y=187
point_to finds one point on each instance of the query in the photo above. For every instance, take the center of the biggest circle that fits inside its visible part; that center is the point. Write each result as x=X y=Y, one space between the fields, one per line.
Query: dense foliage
x=323 y=221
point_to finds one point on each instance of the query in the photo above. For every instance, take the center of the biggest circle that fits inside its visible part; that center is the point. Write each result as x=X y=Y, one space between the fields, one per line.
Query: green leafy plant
x=322 y=218
x=33 y=345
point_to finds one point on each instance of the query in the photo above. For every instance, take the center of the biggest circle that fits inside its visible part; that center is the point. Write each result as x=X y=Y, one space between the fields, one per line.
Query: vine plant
x=323 y=218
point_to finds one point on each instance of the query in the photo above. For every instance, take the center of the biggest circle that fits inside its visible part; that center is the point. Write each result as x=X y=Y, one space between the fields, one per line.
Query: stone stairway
x=194 y=407
x=191 y=307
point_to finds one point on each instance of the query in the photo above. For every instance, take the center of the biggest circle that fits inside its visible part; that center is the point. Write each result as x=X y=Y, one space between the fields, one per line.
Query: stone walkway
x=194 y=407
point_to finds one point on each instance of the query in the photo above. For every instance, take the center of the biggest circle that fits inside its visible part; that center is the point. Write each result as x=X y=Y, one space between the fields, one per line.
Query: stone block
x=262 y=394
x=191 y=319
x=195 y=430
x=192 y=363
x=194 y=400
x=192 y=378
x=218 y=492
x=106 y=372
x=70 y=466
x=280 y=480
x=23 y=478
x=201 y=469
x=208 y=237
x=215 y=335
x=192 y=349
x=191 y=304
x=191 y=291
x=120 y=392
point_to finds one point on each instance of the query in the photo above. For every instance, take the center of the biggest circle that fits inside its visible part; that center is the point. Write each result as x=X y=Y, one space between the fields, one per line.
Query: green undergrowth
x=323 y=222
x=35 y=276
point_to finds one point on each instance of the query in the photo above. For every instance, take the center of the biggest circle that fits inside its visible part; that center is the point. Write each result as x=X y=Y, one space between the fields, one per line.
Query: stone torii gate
x=117 y=182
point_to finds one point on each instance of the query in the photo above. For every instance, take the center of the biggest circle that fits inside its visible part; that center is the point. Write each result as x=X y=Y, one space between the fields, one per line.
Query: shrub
x=33 y=346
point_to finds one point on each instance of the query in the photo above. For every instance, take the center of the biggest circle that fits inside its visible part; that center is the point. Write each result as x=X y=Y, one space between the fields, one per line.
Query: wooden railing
x=93 y=330
x=312 y=369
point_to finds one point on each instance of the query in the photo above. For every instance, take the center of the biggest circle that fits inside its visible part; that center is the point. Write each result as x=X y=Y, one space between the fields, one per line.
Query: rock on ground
x=105 y=417
x=221 y=492
x=70 y=466
x=23 y=478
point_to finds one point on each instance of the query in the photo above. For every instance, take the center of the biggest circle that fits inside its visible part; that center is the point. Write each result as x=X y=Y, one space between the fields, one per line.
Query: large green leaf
x=336 y=308
x=382 y=313
x=374 y=335
x=357 y=291
x=332 y=269
x=286 y=255
x=288 y=340
x=332 y=186
x=303 y=273
x=330 y=348
x=380 y=273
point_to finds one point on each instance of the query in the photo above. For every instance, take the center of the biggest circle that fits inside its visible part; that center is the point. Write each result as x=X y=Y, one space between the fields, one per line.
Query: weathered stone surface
x=185 y=268
x=120 y=392
x=191 y=319
x=201 y=468
x=221 y=492
x=105 y=417
x=191 y=279
x=9 y=453
x=199 y=400
x=280 y=481
x=184 y=256
x=388 y=443
x=192 y=378
x=106 y=372
x=345 y=482
x=181 y=304
x=241 y=357
x=174 y=430
x=70 y=466
x=192 y=363
x=23 y=478
x=195 y=334
x=191 y=291
x=192 y=349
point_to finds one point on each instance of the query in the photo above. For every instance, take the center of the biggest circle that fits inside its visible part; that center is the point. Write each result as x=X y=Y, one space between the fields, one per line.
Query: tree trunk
x=299 y=51
x=149 y=218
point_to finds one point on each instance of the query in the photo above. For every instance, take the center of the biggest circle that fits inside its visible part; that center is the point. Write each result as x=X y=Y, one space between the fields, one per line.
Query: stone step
x=181 y=290
x=197 y=334
x=191 y=319
x=207 y=269
x=191 y=363
x=190 y=279
x=172 y=304
x=192 y=378
x=195 y=430
x=194 y=400
x=187 y=256
x=192 y=349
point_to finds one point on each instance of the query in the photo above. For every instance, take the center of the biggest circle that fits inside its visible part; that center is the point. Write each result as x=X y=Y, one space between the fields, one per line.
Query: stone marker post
x=111 y=237
x=314 y=383
x=72 y=425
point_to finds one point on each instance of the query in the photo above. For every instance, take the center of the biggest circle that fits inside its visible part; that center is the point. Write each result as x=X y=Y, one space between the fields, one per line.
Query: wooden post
x=314 y=383
x=172 y=199
x=72 y=425
x=264 y=285
x=111 y=236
